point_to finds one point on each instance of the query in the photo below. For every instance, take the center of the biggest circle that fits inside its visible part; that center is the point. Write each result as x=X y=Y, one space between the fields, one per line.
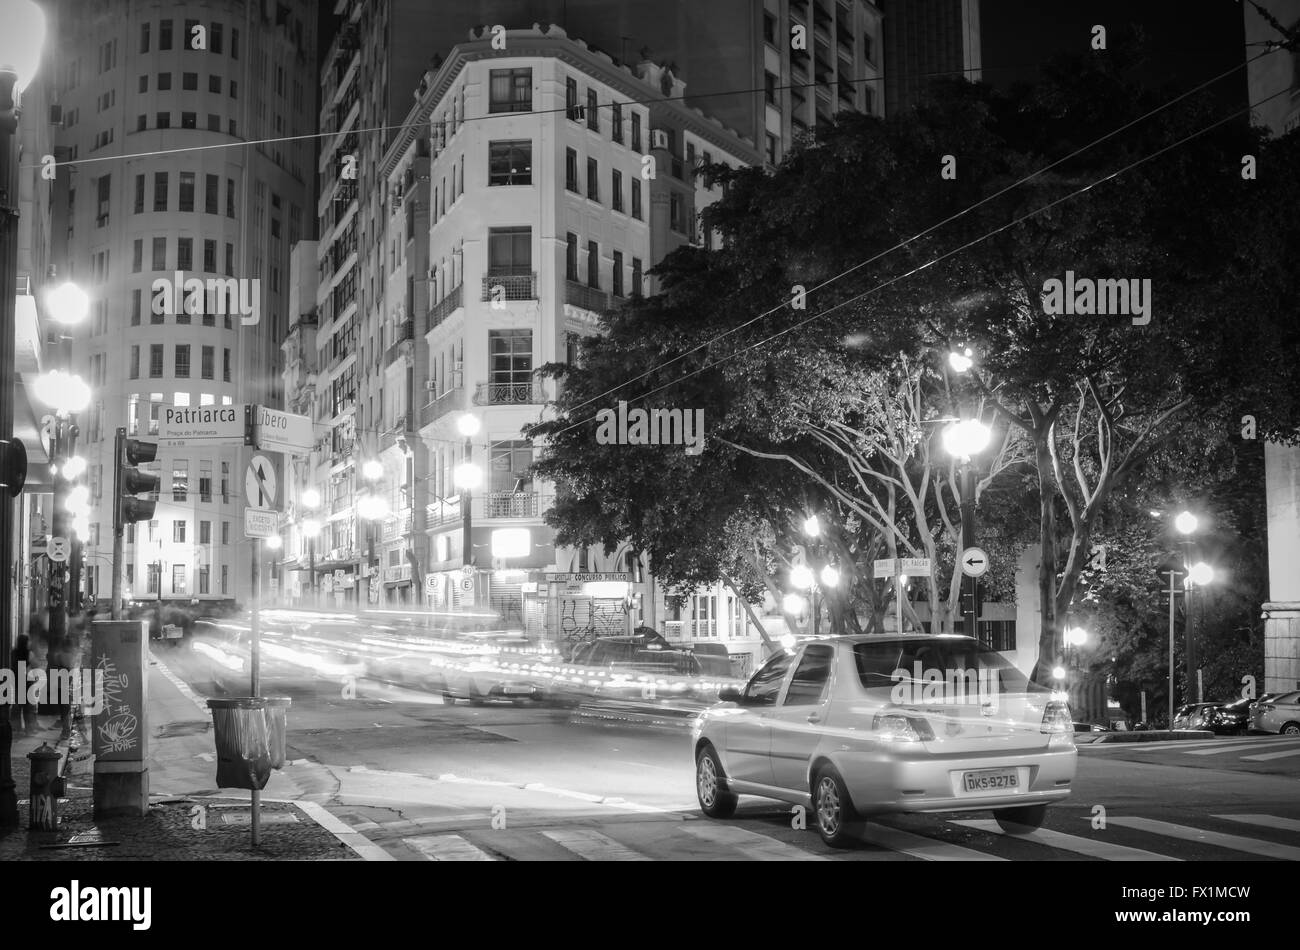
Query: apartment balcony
x=509 y=394
x=388 y=438
x=340 y=504
x=448 y=305
x=449 y=401
x=399 y=574
x=588 y=298
x=490 y=506
x=398 y=527
x=515 y=286
x=403 y=342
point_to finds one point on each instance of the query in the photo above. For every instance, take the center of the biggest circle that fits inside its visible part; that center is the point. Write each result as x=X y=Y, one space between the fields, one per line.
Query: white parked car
x=1277 y=713
x=858 y=725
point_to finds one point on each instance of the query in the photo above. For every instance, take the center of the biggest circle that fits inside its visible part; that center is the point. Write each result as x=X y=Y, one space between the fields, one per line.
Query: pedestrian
x=23 y=720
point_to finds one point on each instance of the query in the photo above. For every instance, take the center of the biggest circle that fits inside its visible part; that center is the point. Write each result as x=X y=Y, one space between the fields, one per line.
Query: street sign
x=182 y=426
x=259 y=482
x=915 y=566
x=468 y=570
x=59 y=550
x=276 y=431
x=588 y=578
x=886 y=567
x=467 y=584
x=261 y=522
x=430 y=584
x=974 y=562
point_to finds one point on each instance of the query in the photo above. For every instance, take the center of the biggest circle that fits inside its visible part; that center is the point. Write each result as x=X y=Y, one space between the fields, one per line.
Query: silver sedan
x=1277 y=714
x=858 y=725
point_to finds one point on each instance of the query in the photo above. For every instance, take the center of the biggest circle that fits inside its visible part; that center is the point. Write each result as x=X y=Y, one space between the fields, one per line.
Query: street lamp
x=21 y=39
x=467 y=476
x=963 y=440
x=67 y=304
x=812 y=527
x=961 y=360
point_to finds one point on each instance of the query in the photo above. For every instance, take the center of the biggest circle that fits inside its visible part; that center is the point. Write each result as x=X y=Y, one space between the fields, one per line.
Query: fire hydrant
x=47 y=789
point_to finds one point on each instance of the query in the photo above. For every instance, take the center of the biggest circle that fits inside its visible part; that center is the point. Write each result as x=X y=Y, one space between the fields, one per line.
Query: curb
x=362 y=846
x=1163 y=735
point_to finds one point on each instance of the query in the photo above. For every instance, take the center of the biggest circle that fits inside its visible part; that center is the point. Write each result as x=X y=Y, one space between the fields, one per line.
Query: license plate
x=516 y=691
x=990 y=780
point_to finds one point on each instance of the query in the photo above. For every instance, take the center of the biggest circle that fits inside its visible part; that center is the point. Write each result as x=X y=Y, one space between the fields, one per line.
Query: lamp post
x=21 y=39
x=1186 y=523
x=311 y=530
x=467 y=476
x=963 y=440
x=1198 y=575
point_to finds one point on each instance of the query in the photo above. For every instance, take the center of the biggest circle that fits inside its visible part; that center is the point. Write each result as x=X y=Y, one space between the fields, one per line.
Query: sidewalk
x=194 y=823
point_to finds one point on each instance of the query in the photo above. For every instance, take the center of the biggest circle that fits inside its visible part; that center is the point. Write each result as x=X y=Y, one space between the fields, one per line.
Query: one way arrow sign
x=259 y=483
x=974 y=562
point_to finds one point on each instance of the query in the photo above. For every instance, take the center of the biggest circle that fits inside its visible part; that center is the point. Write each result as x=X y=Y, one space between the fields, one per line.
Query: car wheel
x=710 y=785
x=1291 y=729
x=837 y=821
x=1021 y=820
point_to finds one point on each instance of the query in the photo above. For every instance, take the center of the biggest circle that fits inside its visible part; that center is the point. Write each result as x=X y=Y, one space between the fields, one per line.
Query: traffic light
x=132 y=482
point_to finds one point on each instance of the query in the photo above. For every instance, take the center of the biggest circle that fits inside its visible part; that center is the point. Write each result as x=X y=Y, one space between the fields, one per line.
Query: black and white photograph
x=753 y=432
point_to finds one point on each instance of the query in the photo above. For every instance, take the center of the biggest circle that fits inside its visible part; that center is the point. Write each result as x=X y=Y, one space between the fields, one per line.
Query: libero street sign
x=276 y=431
x=181 y=426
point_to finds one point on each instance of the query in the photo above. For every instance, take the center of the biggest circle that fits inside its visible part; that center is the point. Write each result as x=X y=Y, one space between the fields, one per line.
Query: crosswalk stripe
x=1265 y=849
x=1105 y=850
x=447 y=848
x=593 y=846
x=1268 y=756
x=1241 y=746
x=1264 y=821
x=918 y=846
x=757 y=846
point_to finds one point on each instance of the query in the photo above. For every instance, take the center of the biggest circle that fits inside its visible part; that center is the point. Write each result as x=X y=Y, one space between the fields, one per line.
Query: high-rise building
x=925 y=40
x=1268 y=72
x=178 y=124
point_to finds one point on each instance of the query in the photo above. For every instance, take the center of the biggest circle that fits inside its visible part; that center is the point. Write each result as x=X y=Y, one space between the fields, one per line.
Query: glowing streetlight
x=468 y=425
x=961 y=361
x=372 y=507
x=793 y=604
x=788 y=641
x=77 y=499
x=74 y=467
x=311 y=499
x=311 y=528
x=275 y=542
x=67 y=304
x=1076 y=636
x=467 y=476
x=812 y=527
x=21 y=41
x=830 y=576
x=1200 y=574
x=1186 y=522
x=966 y=438
x=62 y=391
x=801 y=576
x=1058 y=672
x=372 y=470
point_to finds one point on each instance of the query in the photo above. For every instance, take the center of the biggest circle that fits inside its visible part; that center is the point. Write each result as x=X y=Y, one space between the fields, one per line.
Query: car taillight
x=1056 y=718
x=895 y=727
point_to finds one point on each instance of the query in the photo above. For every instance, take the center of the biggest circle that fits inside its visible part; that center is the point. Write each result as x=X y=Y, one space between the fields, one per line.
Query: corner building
x=161 y=103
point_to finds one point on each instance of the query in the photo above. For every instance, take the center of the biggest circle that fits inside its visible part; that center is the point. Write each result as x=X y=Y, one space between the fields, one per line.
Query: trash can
x=250 y=739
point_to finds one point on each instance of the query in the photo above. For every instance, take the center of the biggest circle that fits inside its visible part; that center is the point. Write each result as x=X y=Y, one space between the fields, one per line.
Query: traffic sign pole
x=255 y=667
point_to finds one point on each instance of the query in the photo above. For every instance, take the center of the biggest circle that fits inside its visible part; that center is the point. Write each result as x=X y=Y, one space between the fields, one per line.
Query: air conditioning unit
x=430 y=273
x=430 y=385
x=658 y=138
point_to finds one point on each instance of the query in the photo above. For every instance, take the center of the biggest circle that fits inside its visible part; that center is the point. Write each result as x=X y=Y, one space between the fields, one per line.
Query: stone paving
x=175 y=829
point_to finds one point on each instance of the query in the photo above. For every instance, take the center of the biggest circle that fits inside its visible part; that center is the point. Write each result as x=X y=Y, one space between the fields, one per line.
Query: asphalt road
x=427 y=780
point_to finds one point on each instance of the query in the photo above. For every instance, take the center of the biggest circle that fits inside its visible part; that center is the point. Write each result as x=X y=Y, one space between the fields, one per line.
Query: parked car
x=1194 y=716
x=857 y=725
x=1231 y=718
x=637 y=654
x=1279 y=714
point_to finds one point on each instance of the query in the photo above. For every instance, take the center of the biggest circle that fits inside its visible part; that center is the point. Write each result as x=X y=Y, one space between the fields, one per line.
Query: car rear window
x=884 y=664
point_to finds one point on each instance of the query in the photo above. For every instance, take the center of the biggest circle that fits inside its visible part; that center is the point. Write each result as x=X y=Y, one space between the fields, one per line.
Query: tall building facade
x=925 y=40
x=178 y=122
x=1268 y=74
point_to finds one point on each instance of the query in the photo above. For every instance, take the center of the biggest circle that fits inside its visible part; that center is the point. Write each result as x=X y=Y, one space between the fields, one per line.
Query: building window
x=102 y=191
x=675 y=212
x=136 y=307
x=164 y=82
x=636 y=199
x=769 y=88
x=190 y=81
x=636 y=131
x=205 y=527
x=165 y=35
x=510 y=357
x=214 y=84
x=180 y=489
x=155 y=571
x=510 y=252
x=618 y=274
x=234 y=54
x=593 y=264
x=159 y=255
x=570 y=169
x=137 y=255
x=183 y=360
x=135 y=362
x=208 y=359
x=144 y=37
x=187 y=191
x=771 y=148
x=189 y=120
x=571 y=257
x=163 y=120
x=215 y=37
x=571 y=107
x=230 y=198
x=178 y=578
x=209 y=265
x=511 y=90
x=184 y=257
x=636 y=277
x=510 y=163
x=138 y=205
x=230 y=260
x=225 y=364
x=616 y=189
x=616 y=122
x=769 y=28
x=868 y=48
x=204 y=572
x=160 y=191
x=144 y=84
x=225 y=526
x=593 y=179
x=155 y=360
x=593 y=113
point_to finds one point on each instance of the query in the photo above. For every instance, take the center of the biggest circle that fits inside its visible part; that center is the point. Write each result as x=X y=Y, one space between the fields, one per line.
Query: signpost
x=261 y=520
x=276 y=431
x=58 y=550
x=886 y=567
x=184 y=426
x=974 y=562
